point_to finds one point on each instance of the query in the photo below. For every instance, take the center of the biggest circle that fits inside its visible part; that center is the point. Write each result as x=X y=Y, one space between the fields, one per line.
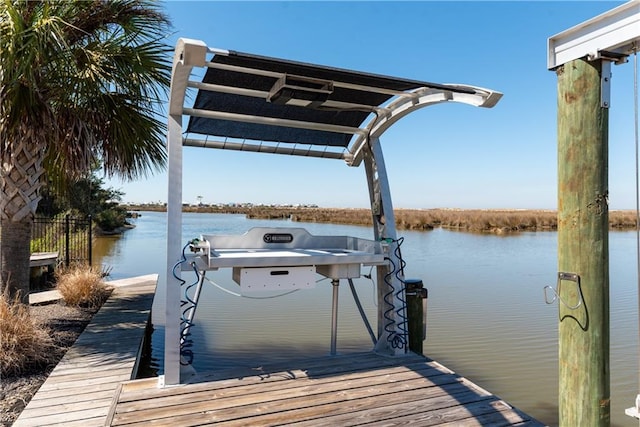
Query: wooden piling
x=583 y=246
x=415 y=293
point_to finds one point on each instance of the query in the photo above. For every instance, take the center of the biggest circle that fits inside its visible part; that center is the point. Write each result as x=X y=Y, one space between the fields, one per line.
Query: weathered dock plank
x=92 y=386
x=41 y=259
x=359 y=389
x=79 y=391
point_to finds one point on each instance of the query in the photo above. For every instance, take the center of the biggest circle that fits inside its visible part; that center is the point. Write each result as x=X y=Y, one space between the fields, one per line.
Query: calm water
x=487 y=319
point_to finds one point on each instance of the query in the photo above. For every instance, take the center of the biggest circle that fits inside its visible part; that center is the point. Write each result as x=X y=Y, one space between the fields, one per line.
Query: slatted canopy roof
x=258 y=103
x=348 y=99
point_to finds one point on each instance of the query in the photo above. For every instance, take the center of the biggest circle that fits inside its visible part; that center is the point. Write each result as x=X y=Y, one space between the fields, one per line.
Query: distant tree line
x=83 y=197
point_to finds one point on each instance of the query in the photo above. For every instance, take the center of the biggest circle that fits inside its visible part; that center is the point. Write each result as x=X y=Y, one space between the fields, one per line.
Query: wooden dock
x=41 y=259
x=79 y=391
x=360 y=389
x=93 y=386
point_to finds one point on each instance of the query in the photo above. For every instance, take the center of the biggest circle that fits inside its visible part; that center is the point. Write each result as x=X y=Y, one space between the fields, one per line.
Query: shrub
x=111 y=218
x=24 y=344
x=82 y=286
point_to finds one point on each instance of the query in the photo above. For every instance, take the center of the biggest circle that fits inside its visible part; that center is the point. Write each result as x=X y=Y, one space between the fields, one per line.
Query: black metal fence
x=69 y=236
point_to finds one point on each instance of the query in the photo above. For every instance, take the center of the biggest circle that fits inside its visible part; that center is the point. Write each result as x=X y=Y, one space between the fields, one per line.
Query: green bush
x=111 y=219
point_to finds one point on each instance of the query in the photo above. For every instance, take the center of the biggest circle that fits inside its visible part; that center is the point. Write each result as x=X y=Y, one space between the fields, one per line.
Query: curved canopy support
x=421 y=98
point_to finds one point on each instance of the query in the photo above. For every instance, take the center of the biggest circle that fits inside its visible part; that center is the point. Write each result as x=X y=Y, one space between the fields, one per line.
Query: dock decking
x=360 y=389
x=79 y=391
x=41 y=259
x=93 y=386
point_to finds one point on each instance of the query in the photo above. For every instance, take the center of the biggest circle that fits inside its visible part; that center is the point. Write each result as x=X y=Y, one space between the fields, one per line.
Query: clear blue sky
x=441 y=156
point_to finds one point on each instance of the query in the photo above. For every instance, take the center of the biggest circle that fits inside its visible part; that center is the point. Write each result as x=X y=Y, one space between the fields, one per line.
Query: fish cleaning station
x=252 y=103
x=247 y=102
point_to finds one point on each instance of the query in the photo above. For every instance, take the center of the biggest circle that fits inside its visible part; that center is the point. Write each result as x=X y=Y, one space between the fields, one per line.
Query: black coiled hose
x=395 y=339
x=185 y=324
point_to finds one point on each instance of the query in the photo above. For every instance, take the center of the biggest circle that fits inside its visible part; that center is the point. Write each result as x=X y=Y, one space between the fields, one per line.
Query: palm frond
x=90 y=77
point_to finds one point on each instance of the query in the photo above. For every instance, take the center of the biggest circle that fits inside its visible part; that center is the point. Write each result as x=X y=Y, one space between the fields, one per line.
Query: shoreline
x=495 y=221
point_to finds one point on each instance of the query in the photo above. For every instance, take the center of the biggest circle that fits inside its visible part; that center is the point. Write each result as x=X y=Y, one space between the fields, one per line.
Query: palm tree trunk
x=20 y=182
x=14 y=256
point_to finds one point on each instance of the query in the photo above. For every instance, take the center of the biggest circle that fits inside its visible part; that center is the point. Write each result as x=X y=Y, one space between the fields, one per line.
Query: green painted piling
x=583 y=246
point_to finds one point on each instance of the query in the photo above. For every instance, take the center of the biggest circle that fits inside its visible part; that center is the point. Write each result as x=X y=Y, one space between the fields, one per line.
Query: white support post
x=391 y=312
x=174 y=238
x=188 y=53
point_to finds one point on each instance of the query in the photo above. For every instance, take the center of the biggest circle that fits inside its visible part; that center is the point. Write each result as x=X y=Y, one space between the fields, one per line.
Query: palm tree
x=80 y=83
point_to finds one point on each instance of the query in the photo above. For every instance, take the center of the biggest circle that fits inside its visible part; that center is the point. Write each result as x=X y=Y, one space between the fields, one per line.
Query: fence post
x=90 y=241
x=66 y=240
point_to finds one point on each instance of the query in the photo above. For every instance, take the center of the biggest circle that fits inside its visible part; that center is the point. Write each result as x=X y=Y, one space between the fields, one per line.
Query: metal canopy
x=354 y=96
x=263 y=104
x=253 y=103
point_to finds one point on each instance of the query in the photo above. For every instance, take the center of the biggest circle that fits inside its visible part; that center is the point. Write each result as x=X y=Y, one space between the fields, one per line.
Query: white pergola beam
x=277 y=75
x=617 y=31
x=338 y=105
x=263 y=120
x=257 y=147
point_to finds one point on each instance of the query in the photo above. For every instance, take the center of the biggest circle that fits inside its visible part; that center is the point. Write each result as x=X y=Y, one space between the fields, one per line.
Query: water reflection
x=105 y=247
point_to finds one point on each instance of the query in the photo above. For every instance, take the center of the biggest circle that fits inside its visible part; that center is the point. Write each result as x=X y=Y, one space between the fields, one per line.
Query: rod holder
x=572 y=277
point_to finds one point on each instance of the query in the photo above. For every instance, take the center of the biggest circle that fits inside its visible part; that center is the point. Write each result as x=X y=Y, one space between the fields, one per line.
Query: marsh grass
x=82 y=286
x=472 y=220
x=622 y=220
x=476 y=220
x=24 y=343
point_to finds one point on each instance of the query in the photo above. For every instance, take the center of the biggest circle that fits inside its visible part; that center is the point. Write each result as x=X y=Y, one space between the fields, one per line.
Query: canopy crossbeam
x=264 y=147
